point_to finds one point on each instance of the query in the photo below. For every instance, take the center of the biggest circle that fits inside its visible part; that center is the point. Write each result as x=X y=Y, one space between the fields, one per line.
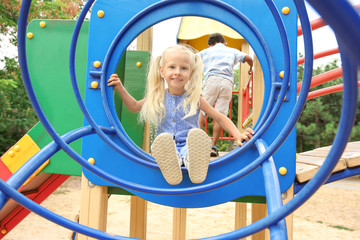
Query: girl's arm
x=131 y=103
x=225 y=123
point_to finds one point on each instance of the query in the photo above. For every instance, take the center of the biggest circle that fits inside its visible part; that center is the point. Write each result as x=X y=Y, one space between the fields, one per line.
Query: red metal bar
x=325 y=91
x=318 y=23
x=320 y=55
x=323 y=78
x=315 y=24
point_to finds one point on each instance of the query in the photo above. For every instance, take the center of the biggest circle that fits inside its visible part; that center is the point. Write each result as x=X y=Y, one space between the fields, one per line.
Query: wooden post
x=241 y=208
x=94 y=206
x=138 y=210
x=289 y=194
x=259 y=211
x=240 y=215
x=179 y=223
x=258 y=89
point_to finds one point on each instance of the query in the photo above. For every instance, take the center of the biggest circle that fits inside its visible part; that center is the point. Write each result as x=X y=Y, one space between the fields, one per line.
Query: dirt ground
x=332 y=213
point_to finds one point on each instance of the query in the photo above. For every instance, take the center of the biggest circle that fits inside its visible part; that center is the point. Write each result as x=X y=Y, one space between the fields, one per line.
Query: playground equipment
x=251 y=170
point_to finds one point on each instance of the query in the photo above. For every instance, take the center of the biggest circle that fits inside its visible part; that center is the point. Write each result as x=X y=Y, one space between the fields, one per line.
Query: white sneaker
x=164 y=151
x=197 y=161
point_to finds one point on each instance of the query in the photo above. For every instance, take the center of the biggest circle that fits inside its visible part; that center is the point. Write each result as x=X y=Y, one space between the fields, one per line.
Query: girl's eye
x=184 y=68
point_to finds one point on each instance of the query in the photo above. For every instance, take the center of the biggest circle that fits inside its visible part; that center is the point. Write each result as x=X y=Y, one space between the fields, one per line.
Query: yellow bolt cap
x=94 y=84
x=17 y=148
x=100 y=13
x=30 y=35
x=285 y=10
x=11 y=153
x=97 y=64
x=91 y=160
x=281 y=74
x=42 y=24
x=282 y=170
x=3 y=231
x=138 y=64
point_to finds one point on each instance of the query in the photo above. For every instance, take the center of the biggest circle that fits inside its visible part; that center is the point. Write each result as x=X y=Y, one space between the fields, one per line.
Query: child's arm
x=131 y=103
x=226 y=123
x=249 y=61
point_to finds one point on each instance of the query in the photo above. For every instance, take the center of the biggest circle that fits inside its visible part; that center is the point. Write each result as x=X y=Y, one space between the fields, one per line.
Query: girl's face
x=177 y=71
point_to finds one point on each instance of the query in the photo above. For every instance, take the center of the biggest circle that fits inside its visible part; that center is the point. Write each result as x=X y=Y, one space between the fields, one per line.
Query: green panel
x=48 y=61
x=247 y=199
x=134 y=82
x=120 y=71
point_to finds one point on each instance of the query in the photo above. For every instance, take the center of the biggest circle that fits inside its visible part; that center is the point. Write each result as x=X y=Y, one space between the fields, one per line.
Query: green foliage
x=319 y=120
x=16 y=113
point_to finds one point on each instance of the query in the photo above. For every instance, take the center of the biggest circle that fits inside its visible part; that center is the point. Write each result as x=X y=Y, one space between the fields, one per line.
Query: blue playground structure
x=251 y=170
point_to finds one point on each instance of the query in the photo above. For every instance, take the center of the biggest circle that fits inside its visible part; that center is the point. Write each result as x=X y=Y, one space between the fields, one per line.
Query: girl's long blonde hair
x=153 y=110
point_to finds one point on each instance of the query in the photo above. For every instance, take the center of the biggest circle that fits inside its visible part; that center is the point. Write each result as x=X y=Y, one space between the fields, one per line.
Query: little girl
x=175 y=112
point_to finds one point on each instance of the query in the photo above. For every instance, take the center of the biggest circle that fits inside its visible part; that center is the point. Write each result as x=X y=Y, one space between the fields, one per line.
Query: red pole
x=318 y=23
x=320 y=55
x=328 y=90
x=323 y=78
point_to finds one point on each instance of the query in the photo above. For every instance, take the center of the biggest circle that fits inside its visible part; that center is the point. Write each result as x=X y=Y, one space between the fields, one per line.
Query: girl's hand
x=246 y=136
x=116 y=82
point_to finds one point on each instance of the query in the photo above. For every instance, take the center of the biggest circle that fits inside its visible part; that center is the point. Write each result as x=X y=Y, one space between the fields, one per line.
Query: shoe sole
x=164 y=151
x=199 y=145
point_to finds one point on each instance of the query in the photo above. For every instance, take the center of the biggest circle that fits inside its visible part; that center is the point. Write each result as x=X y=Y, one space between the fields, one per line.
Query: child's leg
x=197 y=161
x=164 y=151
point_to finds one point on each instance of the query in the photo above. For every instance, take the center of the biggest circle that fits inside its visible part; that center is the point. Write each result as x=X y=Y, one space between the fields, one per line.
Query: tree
x=16 y=113
x=319 y=120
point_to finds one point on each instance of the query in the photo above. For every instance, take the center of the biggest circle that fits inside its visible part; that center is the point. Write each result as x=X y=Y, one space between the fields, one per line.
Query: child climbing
x=219 y=61
x=175 y=112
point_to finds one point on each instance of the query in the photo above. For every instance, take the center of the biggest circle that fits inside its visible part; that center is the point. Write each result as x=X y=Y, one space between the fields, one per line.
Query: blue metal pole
x=278 y=230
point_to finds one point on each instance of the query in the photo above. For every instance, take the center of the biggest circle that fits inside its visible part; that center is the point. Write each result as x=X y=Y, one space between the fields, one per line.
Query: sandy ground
x=332 y=213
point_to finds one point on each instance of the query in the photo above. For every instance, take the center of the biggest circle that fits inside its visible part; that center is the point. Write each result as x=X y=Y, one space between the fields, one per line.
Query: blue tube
x=273 y=195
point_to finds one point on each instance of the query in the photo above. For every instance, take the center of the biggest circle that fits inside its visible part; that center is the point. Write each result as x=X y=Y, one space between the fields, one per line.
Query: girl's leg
x=197 y=160
x=164 y=151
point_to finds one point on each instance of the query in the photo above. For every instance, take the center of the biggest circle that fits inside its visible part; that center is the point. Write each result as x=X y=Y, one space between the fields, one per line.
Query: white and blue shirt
x=219 y=60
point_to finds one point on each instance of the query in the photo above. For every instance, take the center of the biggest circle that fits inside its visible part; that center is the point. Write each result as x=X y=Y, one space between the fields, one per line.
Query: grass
x=342 y=228
x=337 y=227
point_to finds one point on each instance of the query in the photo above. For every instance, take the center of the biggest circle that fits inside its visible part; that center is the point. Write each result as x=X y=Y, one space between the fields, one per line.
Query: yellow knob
x=94 y=84
x=11 y=153
x=285 y=10
x=100 y=13
x=17 y=148
x=282 y=170
x=138 y=64
x=97 y=64
x=91 y=160
x=30 y=35
x=42 y=24
x=281 y=74
x=3 y=231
